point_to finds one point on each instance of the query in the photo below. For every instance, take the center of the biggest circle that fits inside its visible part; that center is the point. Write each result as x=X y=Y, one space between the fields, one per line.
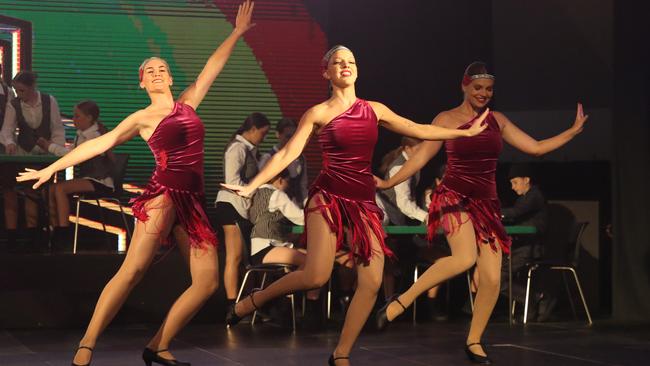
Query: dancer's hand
x=244 y=191
x=41 y=176
x=579 y=123
x=244 y=15
x=380 y=183
x=478 y=126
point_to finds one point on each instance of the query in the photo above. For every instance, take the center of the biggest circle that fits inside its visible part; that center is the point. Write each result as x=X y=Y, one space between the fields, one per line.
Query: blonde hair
x=146 y=61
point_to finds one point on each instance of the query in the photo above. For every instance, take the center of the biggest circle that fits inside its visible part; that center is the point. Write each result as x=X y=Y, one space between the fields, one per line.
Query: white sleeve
x=403 y=198
x=382 y=207
x=234 y=160
x=7 y=134
x=57 y=139
x=280 y=201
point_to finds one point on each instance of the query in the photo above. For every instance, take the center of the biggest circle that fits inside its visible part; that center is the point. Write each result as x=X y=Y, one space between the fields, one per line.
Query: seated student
x=37 y=117
x=94 y=173
x=529 y=210
x=272 y=214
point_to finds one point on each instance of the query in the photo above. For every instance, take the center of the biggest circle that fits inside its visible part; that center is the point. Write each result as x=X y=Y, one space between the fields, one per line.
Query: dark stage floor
x=402 y=344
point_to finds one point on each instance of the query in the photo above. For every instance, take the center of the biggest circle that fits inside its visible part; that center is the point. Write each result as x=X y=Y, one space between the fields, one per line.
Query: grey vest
x=27 y=136
x=98 y=167
x=390 y=196
x=266 y=224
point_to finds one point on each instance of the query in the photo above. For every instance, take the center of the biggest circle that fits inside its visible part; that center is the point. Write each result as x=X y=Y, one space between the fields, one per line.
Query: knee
x=233 y=258
x=132 y=275
x=207 y=286
x=372 y=284
x=315 y=280
x=490 y=281
x=465 y=262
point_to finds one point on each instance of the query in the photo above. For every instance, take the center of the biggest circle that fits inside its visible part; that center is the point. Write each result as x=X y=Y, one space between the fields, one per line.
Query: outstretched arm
x=89 y=149
x=282 y=158
x=195 y=93
x=406 y=127
x=522 y=141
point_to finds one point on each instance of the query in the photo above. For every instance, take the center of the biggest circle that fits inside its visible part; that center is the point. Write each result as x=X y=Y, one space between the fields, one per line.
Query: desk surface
x=44 y=159
x=404 y=230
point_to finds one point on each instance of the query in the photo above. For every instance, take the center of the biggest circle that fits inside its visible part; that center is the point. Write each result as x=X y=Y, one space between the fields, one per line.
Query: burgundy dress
x=177 y=145
x=345 y=182
x=469 y=186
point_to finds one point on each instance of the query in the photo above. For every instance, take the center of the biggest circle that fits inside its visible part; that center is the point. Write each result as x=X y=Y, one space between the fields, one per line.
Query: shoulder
x=444 y=119
x=378 y=107
x=501 y=118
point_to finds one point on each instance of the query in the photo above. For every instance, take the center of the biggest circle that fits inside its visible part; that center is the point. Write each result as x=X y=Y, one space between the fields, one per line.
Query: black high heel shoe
x=91 y=356
x=332 y=359
x=381 y=318
x=150 y=356
x=232 y=318
x=483 y=360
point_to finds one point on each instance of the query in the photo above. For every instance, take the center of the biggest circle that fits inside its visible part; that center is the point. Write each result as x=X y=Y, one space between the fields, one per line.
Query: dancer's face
x=156 y=77
x=479 y=92
x=341 y=69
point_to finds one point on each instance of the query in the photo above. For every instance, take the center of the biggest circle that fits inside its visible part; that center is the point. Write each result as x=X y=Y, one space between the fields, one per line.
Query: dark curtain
x=631 y=264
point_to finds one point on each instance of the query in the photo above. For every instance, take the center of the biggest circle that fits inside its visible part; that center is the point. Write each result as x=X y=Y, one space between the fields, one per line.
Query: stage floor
x=402 y=344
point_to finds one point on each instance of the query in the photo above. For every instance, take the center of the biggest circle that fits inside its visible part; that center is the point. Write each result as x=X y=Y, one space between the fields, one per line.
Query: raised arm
x=406 y=127
x=195 y=93
x=522 y=141
x=125 y=131
x=282 y=158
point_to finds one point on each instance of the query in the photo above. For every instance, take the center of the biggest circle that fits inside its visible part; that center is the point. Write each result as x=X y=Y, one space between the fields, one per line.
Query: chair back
x=118 y=171
x=575 y=242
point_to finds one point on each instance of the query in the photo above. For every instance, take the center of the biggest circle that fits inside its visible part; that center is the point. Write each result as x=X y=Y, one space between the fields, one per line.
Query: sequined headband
x=329 y=54
x=468 y=79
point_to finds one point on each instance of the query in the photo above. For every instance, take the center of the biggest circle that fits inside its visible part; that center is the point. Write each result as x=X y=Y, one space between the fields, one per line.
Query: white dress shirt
x=404 y=197
x=234 y=160
x=33 y=115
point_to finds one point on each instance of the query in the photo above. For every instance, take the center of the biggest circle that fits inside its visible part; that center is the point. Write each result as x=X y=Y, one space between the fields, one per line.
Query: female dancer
x=172 y=201
x=341 y=207
x=466 y=205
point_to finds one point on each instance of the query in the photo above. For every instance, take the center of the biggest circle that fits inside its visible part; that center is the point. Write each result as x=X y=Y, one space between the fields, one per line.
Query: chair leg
x=76 y=227
x=243 y=285
x=569 y=294
x=469 y=289
x=103 y=218
x=415 y=278
x=582 y=296
x=293 y=311
x=329 y=298
x=261 y=287
x=526 y=301
x=126 y=225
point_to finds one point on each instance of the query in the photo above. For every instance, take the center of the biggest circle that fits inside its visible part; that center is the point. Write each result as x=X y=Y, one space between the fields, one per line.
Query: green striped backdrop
x=92 y=50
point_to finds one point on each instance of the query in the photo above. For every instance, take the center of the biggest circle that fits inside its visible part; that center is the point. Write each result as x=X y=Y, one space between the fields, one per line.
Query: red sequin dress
x=469 y=186
x=177 y=145
x=345 y=182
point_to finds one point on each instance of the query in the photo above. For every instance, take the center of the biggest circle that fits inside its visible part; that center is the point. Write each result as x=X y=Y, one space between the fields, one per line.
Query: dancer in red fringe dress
x=173 y=201
x=341 y=212
x=465 y=205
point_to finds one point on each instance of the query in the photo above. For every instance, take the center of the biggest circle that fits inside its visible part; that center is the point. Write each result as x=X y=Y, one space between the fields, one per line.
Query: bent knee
x=315 y=281
x=131 y=275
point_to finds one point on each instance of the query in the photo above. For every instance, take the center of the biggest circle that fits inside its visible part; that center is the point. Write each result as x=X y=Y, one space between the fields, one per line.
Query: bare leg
x=291 y=256
x=489 y=268
x=321 y=248
x=233 y=242
x=204 y=268
x=31 y=209
x=10 y=199
x=463 y=256
x=368 y=283
x=61 y=192
x=142 y=249
x=432 y=293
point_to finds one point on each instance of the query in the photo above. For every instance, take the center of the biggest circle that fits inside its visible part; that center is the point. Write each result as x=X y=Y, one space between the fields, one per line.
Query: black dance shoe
x=483 y=360
x=381 y=318
x=83 y=347
x=150 y=356
x=332 y=359
x=232 y=318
